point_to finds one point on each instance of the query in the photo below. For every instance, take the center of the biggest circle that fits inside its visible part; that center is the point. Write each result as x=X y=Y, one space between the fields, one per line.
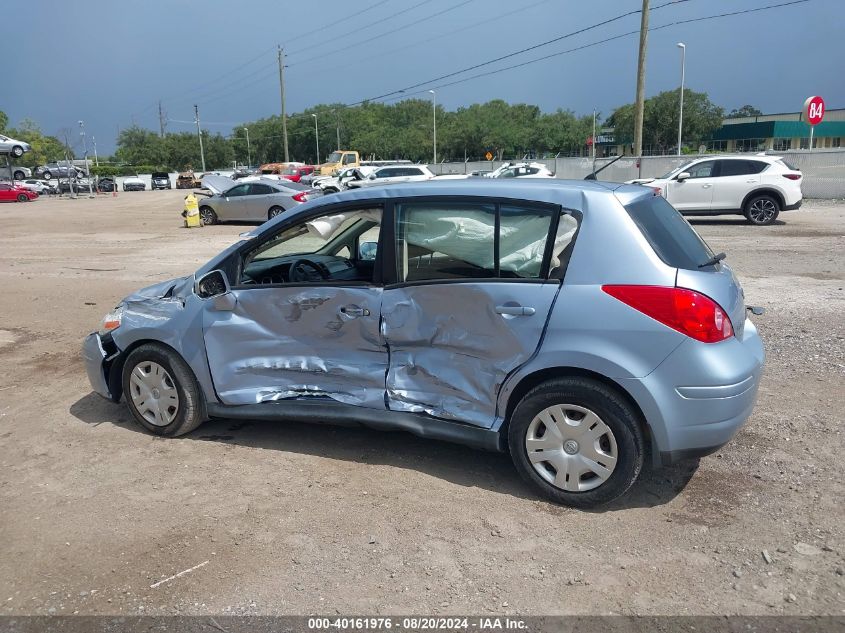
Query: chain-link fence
x=823 y=170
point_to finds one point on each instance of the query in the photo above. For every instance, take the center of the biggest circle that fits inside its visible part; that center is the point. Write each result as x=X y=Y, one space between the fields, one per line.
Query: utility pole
x=161 y=117
x=683 y=48
x=199 y=134
x=593 y=144
x=434 y=115
x=96 y=160
x=85 y=157
x=337 y=114
x=640 y=102
x=282 y=93
x=317 y=138
x=248 y=153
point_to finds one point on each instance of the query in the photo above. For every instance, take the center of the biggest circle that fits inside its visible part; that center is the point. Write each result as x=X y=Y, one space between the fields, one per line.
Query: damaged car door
x=303 y=316
x=470 y=301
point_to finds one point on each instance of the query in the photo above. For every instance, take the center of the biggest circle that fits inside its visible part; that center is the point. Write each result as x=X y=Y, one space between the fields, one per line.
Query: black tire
x=208 y=216
x=19 y=175
x=612 y=409
x=762 y=210
x=17 y=151
x=23 y=197
x=47 y=175
x=191 y=408
x=274 y=211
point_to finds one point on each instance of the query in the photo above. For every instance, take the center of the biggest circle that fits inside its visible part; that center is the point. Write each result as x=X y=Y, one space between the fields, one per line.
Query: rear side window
x=669 y=234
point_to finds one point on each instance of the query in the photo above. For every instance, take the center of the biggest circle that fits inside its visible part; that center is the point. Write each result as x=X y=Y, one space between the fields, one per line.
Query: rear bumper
x=793 y=207
x=94 y=358
x=700 y=396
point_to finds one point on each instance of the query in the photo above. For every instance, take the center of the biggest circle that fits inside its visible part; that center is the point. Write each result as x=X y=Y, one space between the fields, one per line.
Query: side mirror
x=211 y=284
x=372 y=176
x=683 y=176
x=367 y=251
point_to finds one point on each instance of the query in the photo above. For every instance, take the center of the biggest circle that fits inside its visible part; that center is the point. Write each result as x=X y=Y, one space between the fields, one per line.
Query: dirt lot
x=291 y=518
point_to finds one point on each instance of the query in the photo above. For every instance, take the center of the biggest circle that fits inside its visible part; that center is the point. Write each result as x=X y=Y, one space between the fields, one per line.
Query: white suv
x=392 y=174
x=758 y=187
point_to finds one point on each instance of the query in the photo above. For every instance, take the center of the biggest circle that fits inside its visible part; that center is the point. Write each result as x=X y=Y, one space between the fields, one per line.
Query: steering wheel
x=299 y=271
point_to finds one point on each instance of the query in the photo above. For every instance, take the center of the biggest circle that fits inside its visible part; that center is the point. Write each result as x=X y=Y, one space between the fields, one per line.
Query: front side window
x=702 y=170
x=348 y=158
x=240 y=190
x=337 y=247
x=442 y=241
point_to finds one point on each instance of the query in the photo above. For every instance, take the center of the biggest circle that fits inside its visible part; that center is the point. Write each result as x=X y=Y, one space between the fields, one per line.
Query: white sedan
x=38 y=186
x=13 y=146
x=393 y=174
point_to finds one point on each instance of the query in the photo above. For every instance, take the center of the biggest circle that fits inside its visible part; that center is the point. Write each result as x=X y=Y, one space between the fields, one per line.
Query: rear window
x=669 y=234
x=788 y=165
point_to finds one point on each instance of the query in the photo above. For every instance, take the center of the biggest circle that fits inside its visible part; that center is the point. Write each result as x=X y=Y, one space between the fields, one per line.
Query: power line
x=368 y=26
x=442 y=35
x=596 y=43
x=341 y=20
x=390 y=32
x=529 y=48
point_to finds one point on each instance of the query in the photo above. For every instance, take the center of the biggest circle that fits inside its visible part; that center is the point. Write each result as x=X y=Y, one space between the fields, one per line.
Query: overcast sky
x=109 y=62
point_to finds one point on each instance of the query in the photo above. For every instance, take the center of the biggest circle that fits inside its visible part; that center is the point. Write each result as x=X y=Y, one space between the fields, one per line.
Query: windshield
x=334 y=157
x=677 y=170
x=291 y=171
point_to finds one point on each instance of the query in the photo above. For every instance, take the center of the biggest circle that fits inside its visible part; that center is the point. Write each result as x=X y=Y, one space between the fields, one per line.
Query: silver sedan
x=13 y=146
x=255 y=201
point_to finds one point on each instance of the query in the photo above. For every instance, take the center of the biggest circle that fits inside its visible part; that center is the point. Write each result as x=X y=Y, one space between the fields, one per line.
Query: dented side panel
x=291 y=342
x=450 y=350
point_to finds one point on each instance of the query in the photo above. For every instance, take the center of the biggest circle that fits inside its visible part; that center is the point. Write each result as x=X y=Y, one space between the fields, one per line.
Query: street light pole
x=317 y=138
x=85 y=156
x=96 y=160
x=683 y=48
x=248 y=154
x=434 y=119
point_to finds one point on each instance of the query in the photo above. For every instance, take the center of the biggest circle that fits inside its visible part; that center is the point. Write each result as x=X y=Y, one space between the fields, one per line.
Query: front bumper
x=701 y=395
x=95 y=359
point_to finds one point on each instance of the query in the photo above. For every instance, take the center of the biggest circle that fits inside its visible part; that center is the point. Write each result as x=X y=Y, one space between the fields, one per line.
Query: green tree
x=4 y=120
x=660 y=119
x=746 y=110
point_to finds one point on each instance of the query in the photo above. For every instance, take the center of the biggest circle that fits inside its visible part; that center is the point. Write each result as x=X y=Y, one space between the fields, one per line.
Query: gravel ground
x=294 y=519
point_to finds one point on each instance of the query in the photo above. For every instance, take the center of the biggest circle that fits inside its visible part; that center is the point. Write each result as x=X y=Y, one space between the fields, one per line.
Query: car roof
x=567 y=193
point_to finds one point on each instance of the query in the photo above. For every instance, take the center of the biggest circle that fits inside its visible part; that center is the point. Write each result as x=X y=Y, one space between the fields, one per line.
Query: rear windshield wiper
x=713 y=260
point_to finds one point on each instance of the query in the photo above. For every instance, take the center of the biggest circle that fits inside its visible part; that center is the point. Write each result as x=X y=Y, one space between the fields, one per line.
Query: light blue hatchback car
x=582 y=326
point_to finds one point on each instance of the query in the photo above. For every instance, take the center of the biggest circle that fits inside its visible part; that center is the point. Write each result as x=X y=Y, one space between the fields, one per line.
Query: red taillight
x=792 y=176
x=300 y=197
x=681 y=309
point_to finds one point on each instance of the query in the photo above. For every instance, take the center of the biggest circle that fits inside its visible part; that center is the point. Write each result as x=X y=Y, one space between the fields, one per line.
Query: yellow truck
x=339 y=159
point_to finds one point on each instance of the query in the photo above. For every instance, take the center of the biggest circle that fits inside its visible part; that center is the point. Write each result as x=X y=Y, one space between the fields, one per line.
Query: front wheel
x=22 y=197
x=19 y=175
x=208 y=216
x=161 y=391
x=762 y=210
x=576 y=441
x=17 y=151
x=47 y=175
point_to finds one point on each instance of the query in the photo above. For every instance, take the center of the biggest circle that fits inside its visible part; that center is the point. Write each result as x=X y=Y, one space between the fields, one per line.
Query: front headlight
x=111 y=321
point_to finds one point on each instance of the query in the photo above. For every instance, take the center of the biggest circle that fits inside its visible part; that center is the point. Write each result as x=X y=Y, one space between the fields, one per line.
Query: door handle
x=515 y=310
x=705 y=186
x=354 y=311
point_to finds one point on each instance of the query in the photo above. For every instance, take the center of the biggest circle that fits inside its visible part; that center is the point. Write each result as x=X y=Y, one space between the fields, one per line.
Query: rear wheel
x=274 y=211
x=47 y=175
x=576 y=441
x=208 y=216
x=19 y=175
x=762 y=210
x=161 y=391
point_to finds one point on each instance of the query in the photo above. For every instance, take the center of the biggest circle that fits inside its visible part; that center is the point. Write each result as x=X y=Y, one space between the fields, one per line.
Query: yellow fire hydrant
x=191 y=212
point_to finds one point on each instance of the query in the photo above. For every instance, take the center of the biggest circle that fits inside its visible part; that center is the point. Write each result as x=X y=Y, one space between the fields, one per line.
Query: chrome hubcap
x=762 y=210
x=154 y=393
x=570 y=447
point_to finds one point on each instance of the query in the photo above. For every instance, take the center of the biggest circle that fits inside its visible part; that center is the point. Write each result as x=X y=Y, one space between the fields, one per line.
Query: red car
x=8 y=193
x=295 y=174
